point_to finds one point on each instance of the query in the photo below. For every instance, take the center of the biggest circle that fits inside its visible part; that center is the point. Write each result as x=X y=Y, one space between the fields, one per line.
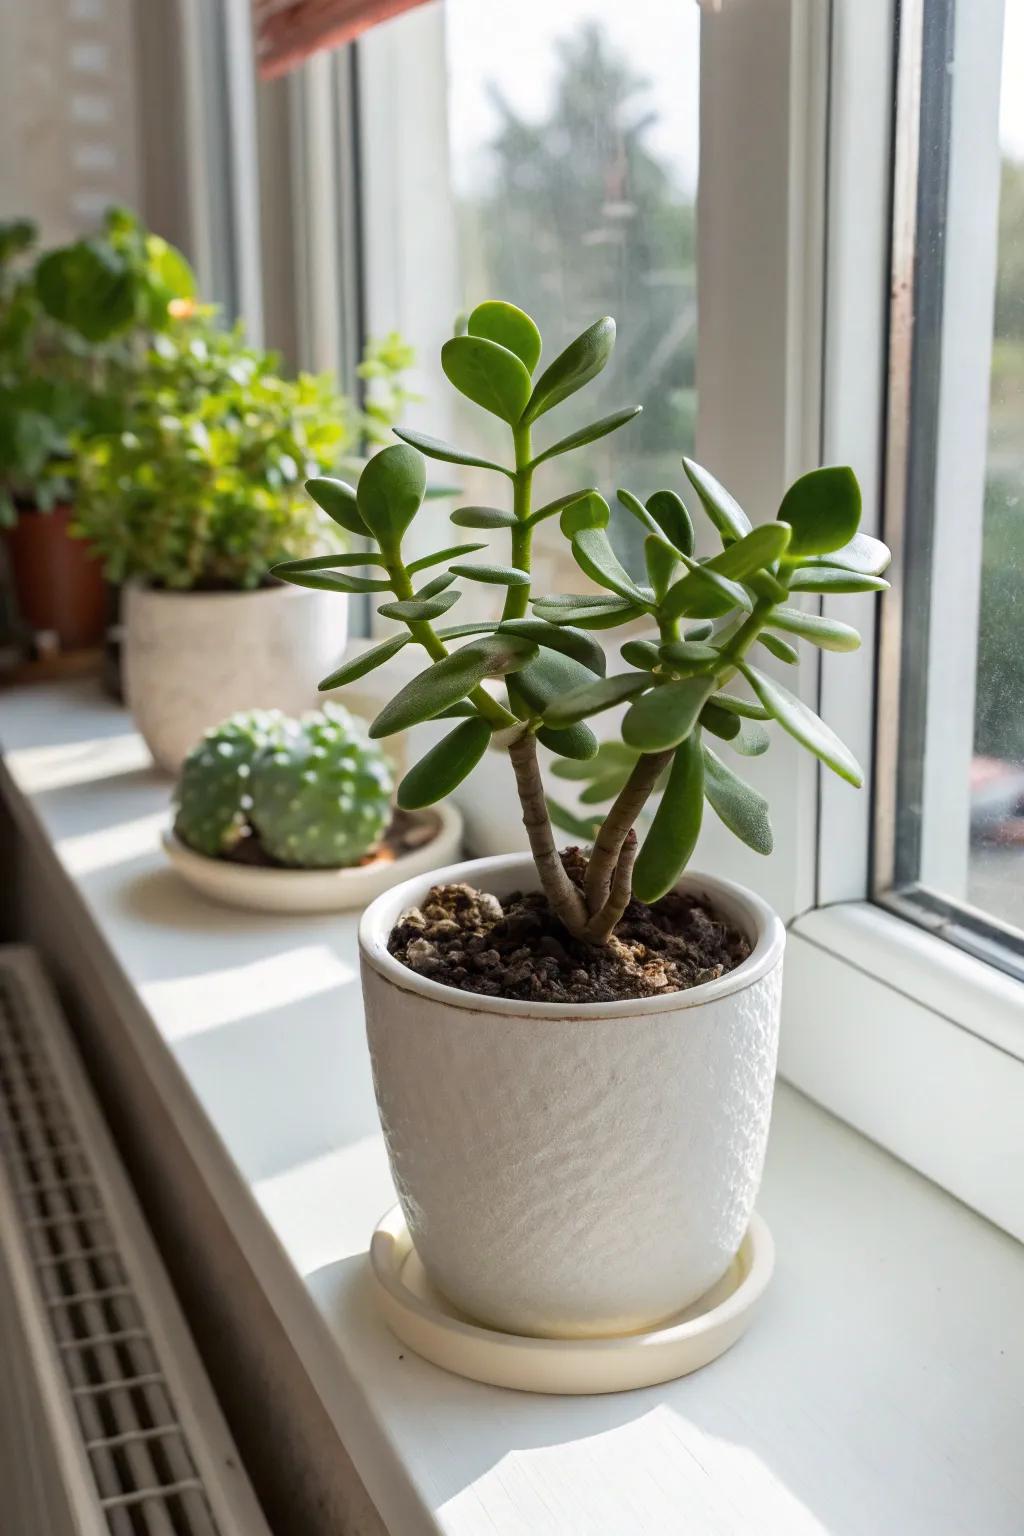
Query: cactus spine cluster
x=315 y=791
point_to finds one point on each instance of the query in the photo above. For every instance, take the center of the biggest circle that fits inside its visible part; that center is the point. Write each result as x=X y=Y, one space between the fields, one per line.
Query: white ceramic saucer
x=430 y=1325
x=314 y=890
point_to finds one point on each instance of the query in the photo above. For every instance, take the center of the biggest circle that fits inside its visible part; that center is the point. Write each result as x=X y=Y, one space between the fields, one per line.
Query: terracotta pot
x=192 y=658
x=58 y=583
x=574 y=1171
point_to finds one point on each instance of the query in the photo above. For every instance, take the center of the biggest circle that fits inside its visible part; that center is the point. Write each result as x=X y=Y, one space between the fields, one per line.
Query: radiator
x=108 y=1424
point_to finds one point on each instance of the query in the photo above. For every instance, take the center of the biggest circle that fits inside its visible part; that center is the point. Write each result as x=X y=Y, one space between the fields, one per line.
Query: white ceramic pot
x=574 y=1172
x=192 y=658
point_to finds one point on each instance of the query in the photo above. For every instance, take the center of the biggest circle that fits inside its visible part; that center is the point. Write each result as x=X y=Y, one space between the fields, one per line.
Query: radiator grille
x=146 y=1479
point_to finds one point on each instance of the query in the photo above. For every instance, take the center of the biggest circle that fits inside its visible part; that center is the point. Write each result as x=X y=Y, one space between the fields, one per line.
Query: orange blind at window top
x=288 y=31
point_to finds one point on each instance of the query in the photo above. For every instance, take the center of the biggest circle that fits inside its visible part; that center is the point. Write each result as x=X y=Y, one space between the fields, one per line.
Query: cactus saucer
x=264 y=889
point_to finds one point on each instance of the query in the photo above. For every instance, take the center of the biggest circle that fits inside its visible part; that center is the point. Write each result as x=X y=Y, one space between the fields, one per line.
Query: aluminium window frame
x=911 y=1040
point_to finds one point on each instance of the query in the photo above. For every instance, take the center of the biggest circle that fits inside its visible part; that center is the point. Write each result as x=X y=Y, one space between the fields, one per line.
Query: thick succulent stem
x=602 y=925
x=517 y=599
x=422 y=631
x=563 y=897
x=627 y=806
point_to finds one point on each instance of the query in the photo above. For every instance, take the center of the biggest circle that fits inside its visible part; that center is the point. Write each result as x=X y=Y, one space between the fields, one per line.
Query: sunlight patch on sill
x=190 y=1005
x=326 y=1208
x=89 y=852
x=39 y=769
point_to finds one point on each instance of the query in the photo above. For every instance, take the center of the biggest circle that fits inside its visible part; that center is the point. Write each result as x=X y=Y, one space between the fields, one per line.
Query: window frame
x=922 y=1045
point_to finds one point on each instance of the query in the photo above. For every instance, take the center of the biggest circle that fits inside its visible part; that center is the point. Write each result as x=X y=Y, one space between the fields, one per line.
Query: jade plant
x=694 y=625
x=315 y=791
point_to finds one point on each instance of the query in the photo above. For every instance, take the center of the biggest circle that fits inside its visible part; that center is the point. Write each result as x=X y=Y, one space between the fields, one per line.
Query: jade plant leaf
x=432 y=588
x=285 y=568
x=434 y=448
x=752 y=739
x=682 y=655
x=412 y=610
x=338 y=500
x=390 y=493
x=560 y=637
x=576 y=742
x=743 y=707
x=493 y=575
x=803 y=725
x=673 y=833
x=366 y=662
x=822 y=578
x=483 y=517
x=445 y=766
x=741 y=808
x=488 y=374
x=611 y=757
x=551 y=507
x=336 y=581
x=703 y=593
x=581 y=361
x=862 y=555
x=830 y=634
x=549 y=676
x=449 y=680
x=669 y=512
x=588 y=511
x=780 y=649
x=593 y=697
x=589 y=434
x=452 y=553
x=640 y=653
x=509 y=327
x=823 y=510
x=760 y=547
x=720 y=722
x=666 y=716
x=722 y=508
x=661 y=565
x=596 y=558
x=591 y=612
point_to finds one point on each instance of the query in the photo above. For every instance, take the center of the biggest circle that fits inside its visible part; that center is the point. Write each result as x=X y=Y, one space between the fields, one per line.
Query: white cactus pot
x=192 y=658
x=574 y=1172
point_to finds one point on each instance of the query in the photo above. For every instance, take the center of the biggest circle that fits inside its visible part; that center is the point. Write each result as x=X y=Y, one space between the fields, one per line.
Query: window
x=951 y=850
x=573 y=152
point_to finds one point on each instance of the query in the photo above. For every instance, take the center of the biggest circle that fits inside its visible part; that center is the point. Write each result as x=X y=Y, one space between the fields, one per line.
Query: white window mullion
x=760 y=223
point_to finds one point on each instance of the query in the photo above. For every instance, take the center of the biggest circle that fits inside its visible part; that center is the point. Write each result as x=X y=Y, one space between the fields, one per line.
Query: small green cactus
x=321 y=795
x=214 y=790
x=316 y=791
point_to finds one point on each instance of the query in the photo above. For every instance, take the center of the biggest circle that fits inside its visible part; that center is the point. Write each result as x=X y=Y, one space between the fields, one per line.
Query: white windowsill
x=878 y=1391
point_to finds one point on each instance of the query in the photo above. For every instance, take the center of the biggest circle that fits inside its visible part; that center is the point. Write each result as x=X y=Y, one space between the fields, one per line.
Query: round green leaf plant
x=201 y=486
x=682 y=681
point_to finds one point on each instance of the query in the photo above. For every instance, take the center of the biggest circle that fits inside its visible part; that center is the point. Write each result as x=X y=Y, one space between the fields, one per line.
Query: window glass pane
x=996 y=877
x=958 y=853
x=573 y=147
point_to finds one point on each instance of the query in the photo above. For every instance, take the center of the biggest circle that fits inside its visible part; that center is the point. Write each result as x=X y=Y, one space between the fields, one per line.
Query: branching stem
x=627 y=806
x=603 y=923
x=565 y=900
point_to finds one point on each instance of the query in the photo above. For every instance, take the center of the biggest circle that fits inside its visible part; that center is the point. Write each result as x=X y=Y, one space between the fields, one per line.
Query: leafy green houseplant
x=74 y=324
x=574 y=1054
x=195 y=496
x=704 y=620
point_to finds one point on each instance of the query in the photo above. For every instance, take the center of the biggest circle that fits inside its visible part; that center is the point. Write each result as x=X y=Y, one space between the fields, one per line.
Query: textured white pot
x=573 y=1172
x=191 y=658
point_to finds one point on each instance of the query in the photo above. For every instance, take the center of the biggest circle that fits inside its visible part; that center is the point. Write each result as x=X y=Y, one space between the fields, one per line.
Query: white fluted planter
x=192 y=658
x=573 y=1172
